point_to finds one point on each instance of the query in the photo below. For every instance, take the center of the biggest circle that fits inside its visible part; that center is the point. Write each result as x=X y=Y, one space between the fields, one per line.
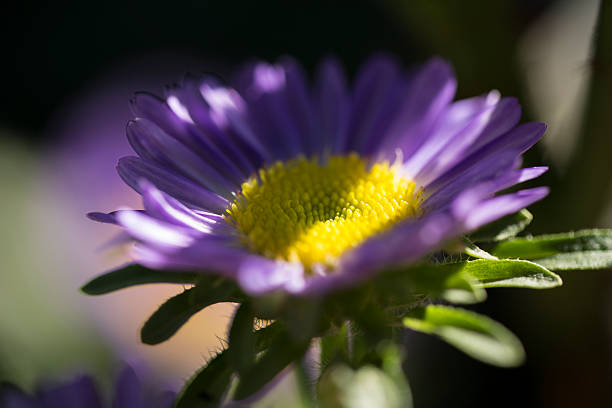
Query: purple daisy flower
x=82 y=393
x=283 y=186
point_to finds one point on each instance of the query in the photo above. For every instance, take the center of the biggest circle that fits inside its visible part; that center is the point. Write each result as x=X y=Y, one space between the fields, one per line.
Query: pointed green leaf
x=498 y=273
x=207 y=386
x=504 y=228
x=474 y=334
x=173 y=314
x=242 y=339
x=132 y=275
x=573 y=261
x=586 y=249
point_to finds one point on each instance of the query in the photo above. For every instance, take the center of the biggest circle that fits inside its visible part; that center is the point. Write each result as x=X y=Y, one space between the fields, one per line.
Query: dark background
x=52 y=51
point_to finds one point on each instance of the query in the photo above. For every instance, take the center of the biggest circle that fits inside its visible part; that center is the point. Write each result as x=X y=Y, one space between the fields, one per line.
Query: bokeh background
x=70 y=69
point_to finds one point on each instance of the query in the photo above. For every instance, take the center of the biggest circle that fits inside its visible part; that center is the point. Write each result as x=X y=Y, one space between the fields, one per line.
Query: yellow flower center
x=306 y=212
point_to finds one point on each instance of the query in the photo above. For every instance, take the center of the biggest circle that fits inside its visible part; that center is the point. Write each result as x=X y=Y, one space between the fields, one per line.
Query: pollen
x=304 y=211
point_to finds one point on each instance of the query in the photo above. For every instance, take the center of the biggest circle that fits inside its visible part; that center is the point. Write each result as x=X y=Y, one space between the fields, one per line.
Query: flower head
x=282 y=186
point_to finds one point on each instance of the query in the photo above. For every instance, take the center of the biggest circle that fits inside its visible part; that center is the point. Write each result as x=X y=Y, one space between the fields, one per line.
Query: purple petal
x=13 y=397
x=518 y=139
x=211 y=107
x=128 y=390
x=475 y=213
x=155 y=232
x=102 y=217
x=456 y=149
x=331 y=100
x=77 y=394
x=174 y=119
x=458 y=125
x=299 y=106
x=506 y=115
x=165 y=208
x=377 y=82
x=430 y=91
x=151 y=107
x=151 y=143
x=489 y=168
x=107 y=218
x=204 y=254
x=258 y=275
x=269 y=112
x=516 y=177
x=134 y=169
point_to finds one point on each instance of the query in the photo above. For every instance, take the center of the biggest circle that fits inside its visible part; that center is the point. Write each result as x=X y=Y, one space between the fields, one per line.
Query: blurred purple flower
x=82 y=393
x=88 y=134
x=309 y=190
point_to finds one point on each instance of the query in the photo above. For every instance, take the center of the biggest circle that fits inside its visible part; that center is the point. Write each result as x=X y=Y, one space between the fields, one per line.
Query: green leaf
x=474 y=334
x=511 y=273
x=264 y=337
x=504 y=228
x=178 y=310
x=573 y=261
x=303 y=318
x=132 y=275
x=242 y=339
x=586 y=249
x=282 y=351
x=443 y=281
x=207 y=386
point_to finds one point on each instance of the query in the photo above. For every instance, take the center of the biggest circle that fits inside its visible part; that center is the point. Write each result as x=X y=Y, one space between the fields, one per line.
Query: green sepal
x=476 y=335
x=334 y=346
x=504 y=228
x=508 y=273
x=282 y=351
x=439 y=281
x=303 y=318
x=132 y=275
x=242 y=339
x=585 y=249
x=176 y=311
x=208 y=385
